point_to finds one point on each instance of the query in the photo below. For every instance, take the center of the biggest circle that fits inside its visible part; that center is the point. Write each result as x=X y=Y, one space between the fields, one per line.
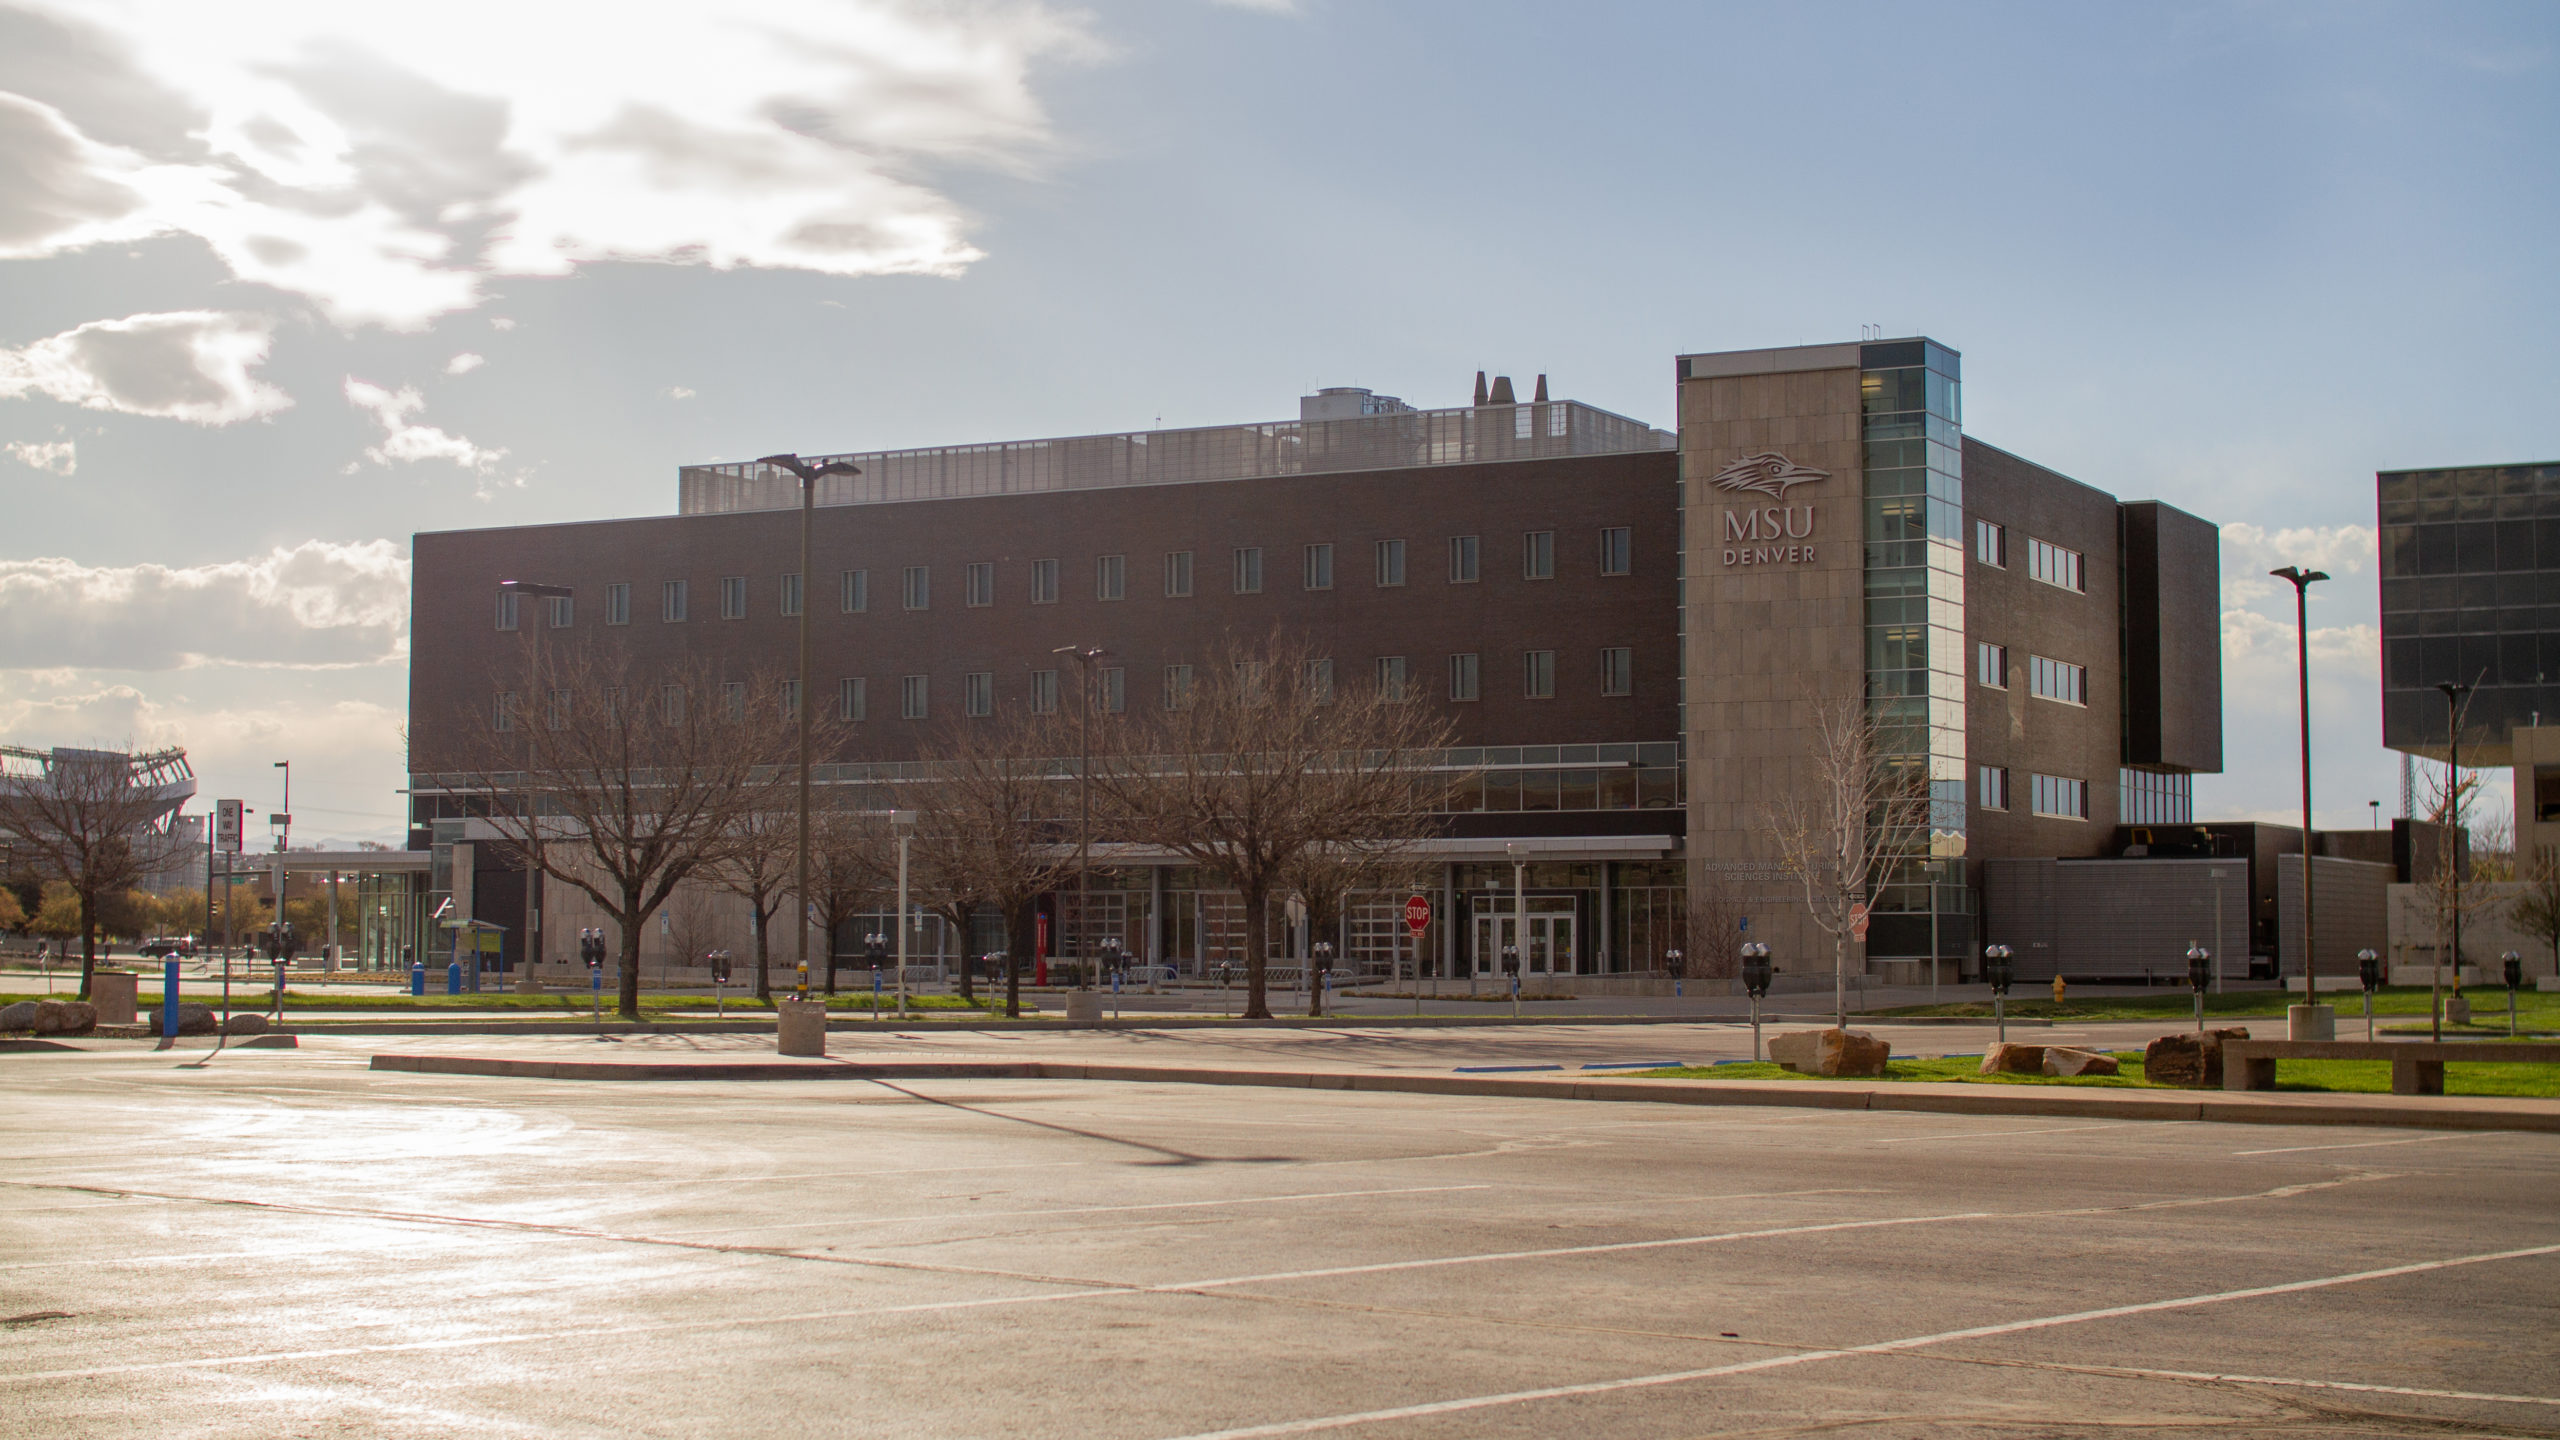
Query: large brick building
x=1545 y=571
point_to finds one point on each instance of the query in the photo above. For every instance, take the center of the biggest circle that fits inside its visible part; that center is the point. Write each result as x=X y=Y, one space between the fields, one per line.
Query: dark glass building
x=2470 y=594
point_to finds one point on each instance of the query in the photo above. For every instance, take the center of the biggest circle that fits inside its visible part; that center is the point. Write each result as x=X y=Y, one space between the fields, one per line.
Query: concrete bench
x=2417 y=1066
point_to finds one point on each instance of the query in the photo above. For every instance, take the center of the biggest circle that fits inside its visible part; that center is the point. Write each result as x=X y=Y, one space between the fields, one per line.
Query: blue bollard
x=453 y=978
x=169 y=999
x=418 y=978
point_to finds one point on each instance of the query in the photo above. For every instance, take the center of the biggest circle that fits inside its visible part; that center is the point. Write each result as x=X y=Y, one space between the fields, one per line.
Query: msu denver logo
x=1768 y=472
x=1768 y=534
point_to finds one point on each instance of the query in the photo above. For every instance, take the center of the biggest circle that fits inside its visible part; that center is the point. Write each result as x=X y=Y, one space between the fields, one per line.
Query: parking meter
x=2369 y=973
x=2512 y=964
x=1678 y=965
x=1995 y=969
x=1755 y=983
x=2199 y=977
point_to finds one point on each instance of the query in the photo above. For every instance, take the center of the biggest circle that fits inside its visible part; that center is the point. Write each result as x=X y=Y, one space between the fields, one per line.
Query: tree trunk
x=88 y=941
x=1257 y=915
x=1026 y=933
x=960 y=927
x=764 y=976
x=1840 y=976
x=627 y=964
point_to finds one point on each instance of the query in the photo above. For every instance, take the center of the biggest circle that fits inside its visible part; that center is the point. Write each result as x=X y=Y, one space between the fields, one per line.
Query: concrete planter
x=801 y=1027
x=1084 y=1006
x=2311 y=1022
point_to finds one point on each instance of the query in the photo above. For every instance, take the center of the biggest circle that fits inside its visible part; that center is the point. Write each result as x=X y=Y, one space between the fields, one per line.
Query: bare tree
x=98 y=821
x=1260 y=759
x=2536 y=912
x=1325 y=877
x=693 y=923
x=2448 y=876
x=847 y=873
x=1860 y=810
x=640 y=783
x=760 y=863
x=986 y=832
x=1710 y=944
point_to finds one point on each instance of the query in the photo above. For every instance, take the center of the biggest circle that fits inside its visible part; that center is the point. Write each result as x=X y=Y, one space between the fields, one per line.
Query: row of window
x=2047 y=679
x=2053 y=564
x=2053 y=797
x=1110 y=578
x=1111 y=688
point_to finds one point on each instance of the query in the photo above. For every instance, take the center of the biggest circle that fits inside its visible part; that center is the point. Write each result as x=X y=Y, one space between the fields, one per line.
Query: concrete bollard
x=116 y=994
x=1084 y=1007
x=800 y=1027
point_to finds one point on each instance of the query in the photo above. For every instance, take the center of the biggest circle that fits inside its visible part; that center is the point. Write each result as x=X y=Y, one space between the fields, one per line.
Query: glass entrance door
x=1551 y=948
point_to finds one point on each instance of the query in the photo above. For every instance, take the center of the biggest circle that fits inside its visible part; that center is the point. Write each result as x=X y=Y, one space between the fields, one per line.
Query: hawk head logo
x=1768 y=472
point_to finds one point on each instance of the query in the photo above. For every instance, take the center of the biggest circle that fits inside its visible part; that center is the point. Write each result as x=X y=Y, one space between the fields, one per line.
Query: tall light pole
x=904 y=822
x=538 y=713
x=808 y=474
x=2453 y=690
x=1084 y=658
x=284 y=841
x=2301 y=580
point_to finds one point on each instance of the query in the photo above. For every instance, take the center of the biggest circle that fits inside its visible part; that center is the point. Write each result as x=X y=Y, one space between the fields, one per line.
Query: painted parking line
x=1072 y=1210
x=1882 y=1347
x=2356 y=1144
x=2004 y=1134
x=2219 y=1378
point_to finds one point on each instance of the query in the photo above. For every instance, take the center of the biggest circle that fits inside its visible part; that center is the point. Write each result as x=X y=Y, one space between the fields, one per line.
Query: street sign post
x=1858 y=921
x=1417 y=918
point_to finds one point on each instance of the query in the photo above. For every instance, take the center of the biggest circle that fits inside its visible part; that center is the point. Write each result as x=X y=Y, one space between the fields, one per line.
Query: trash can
x=116 y=994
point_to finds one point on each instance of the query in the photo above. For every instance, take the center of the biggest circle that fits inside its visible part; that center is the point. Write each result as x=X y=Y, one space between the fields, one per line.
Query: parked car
x=161 y=946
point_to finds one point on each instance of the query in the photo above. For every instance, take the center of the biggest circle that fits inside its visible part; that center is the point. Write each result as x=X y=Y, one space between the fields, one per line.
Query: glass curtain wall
x=1914 y=473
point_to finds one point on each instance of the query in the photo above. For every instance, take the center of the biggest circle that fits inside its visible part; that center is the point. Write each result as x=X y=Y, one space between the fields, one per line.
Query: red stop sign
x=1858 y=921
x=1417 y=914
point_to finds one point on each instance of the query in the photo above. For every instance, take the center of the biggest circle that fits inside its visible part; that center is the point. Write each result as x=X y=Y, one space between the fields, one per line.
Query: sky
x=283 y=282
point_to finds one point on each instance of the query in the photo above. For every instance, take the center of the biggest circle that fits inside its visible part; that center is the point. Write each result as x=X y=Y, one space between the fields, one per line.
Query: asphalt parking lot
x=281 y=1243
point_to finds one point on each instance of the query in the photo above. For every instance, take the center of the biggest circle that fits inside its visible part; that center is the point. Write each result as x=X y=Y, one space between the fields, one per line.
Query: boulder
x=2189 y=1060
x=238 y=1024
x=21 y=1016
x=2064 y=1060
x=1830 y=1052
x=192 y=1019
x=50 y=1017
x=2011 y=1059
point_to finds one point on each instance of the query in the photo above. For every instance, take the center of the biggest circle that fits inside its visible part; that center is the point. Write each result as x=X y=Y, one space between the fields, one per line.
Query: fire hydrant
x=2057 y=989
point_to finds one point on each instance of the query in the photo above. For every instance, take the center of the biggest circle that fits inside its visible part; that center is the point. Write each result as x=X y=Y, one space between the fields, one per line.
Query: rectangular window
x=557 y=717
x=1991 y=547
x=1111 y=689
x=1390 y=563
x=1463 y=555
x=1463 y=682
x=1538 y=674
x=614 y=699
x=1320 y=680
x=2057 y=680
x=733 y=597
x=919 y=587
x=853 y=703
x=1044 y=582
x=791 y=595
x=911 y=697
x=1177 y=686
x=502 y=716
x=2058 y=798
x=1044 y=692
x=671 y=598
x=978 y=584
x=1249 y=570
x=1538 y=555
x=564 y=611
x=2053 y=565
x=1177 y=574
x=2154 y=797
x=978 y=694
x=733 y=699
x=1249 y=681
x=856 y=592
x=617 y=603
x=1110 y=577
x=1617 y=550
x=671 y=704
x=1319 y=567
x=1991 y=787
x=790 y=699
x=1618 y=670
x=1391 y=677
x=1991 y=665
x=507 y=609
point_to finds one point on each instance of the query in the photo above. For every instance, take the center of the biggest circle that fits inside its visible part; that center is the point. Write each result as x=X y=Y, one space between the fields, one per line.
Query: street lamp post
x=809 y=475
x=2453 y=690
x=904 y=822
x=1519 y=854
x=1084 y=656
x=2311 y=1020
x=538 y=714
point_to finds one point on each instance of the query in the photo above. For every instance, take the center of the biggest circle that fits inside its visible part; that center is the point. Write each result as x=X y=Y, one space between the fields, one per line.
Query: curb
x=2220 y=1107
x=846 y=1026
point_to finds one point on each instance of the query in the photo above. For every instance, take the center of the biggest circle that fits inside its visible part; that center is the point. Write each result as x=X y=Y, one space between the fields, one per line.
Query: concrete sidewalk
x=2091 y=1102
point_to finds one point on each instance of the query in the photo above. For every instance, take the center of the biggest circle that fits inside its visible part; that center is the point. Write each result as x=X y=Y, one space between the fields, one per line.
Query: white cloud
x=384 y=160
x=61 y=457
x=678 y=392
x=318 y=604
x=501 y=322
x=2250 y=552
x=464 y=363
x=406 y=442
x=178 y=365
